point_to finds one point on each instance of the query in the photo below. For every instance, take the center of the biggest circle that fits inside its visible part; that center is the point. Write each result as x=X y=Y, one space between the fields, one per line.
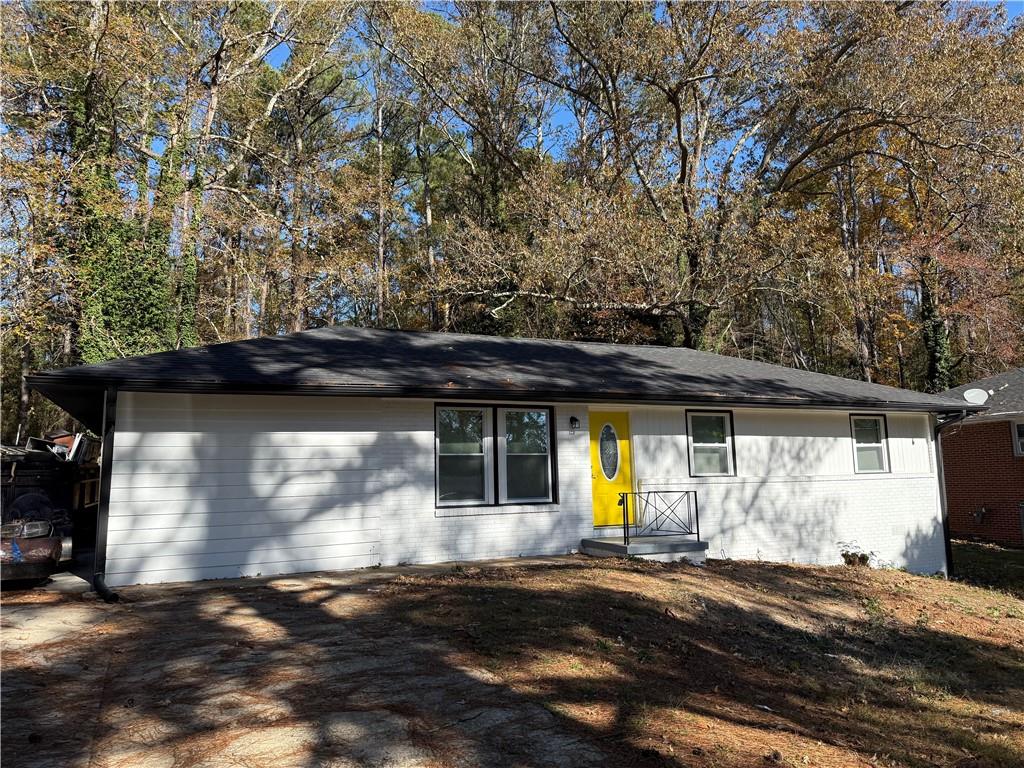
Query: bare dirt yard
x=566 y=662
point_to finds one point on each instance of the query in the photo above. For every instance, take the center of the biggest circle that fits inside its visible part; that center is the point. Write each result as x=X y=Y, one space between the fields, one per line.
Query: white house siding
x=796 y=496
x=223 y=486
x=212 y=486
x=220 y=486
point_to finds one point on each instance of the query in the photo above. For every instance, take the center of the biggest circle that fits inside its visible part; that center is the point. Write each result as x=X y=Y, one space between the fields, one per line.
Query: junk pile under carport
x=49 y=495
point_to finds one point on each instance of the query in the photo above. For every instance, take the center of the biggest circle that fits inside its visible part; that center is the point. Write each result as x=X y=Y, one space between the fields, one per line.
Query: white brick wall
x=208 y=486
x=796 y=495
x=806 y=519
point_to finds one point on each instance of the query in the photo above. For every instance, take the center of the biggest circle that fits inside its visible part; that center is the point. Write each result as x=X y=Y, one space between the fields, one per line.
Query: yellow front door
x=610 y=467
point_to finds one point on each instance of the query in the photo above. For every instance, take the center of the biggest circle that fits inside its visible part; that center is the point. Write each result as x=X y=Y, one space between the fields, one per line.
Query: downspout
x=99 y=583
x=939 y=426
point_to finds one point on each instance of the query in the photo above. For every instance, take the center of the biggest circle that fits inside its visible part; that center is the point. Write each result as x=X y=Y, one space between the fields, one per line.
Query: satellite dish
x=976 y=396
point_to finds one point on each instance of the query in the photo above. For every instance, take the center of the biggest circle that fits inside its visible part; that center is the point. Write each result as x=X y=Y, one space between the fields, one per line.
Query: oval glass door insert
x=608 y=448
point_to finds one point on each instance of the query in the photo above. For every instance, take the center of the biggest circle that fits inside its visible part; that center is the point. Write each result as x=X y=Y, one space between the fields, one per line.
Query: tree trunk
x=381 y=207
x=248 y=327
x=232 y=288
x=262 y=328
x=935 y=336
x=849 y=237
x=297 y=312
x=422 y=156
x=24 y=396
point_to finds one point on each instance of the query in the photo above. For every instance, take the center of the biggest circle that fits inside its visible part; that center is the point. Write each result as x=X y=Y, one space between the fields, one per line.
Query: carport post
x=941 y=476
x=102 y=510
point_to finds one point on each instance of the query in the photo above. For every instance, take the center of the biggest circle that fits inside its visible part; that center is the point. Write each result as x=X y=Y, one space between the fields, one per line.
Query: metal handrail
x=656 y=514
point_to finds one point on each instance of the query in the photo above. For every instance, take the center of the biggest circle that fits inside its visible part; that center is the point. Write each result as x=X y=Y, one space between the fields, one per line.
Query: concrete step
x=661 y=548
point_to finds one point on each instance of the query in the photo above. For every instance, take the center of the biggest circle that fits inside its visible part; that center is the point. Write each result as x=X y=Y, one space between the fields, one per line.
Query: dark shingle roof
x=1007 y=394
x=359 y=361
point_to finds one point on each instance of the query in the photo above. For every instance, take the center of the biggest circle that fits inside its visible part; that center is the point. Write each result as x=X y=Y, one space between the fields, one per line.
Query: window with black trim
x=711 y=449
x=870 y=452
x=524 y=453
x=494 y=455
x=463 y=455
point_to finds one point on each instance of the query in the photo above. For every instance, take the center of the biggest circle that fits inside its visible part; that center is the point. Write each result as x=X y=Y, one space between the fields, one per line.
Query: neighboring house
x=345 y=447
x=984 y=463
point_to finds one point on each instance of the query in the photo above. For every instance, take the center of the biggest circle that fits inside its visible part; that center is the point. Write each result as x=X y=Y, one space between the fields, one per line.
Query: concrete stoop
x=664 y=549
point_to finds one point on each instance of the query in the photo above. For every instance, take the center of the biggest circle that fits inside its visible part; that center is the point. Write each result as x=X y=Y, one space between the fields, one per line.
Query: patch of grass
x=989 y=565
x=873 y=608
x=641 y=715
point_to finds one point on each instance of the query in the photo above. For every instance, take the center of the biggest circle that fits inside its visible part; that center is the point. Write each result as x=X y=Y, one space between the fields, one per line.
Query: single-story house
x=346 y=447
x=984 y=461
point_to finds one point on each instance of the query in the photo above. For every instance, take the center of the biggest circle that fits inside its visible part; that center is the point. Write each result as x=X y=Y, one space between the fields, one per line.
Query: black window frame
x=494 y=480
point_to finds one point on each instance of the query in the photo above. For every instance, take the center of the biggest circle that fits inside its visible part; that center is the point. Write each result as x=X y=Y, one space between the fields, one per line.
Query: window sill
x=507 y=508
x=460 y=504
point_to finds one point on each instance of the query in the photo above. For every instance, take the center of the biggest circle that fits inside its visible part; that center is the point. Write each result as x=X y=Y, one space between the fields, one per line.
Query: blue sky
x=279 y=55
x=1014 y=8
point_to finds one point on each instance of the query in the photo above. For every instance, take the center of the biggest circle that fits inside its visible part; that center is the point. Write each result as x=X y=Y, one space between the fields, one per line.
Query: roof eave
x=996 y=416
x=42 y=380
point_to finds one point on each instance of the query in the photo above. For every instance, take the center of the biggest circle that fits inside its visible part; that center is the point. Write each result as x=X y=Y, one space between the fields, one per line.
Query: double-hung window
x=1018 y=437
x=710 y=443
x=524 y=455
x=494 y=455
x=869 y=444
x=463 y=455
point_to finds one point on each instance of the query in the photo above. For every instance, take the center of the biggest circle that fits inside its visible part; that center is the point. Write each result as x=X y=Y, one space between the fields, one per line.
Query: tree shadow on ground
x=770 y=648
x=570 y=665
x=267 y=673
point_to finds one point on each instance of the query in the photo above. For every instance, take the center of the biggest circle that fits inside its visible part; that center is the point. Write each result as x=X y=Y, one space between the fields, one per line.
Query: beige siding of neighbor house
x=213 y=486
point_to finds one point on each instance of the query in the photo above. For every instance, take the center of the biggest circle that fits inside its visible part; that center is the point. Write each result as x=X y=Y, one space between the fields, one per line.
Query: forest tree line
x=837 y=187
